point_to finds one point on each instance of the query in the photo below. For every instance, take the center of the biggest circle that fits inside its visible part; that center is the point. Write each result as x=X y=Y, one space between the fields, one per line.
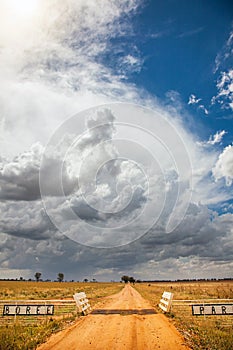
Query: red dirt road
x=125 y=321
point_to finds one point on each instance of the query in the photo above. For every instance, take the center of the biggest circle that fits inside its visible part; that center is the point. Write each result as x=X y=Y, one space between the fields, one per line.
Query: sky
x=116 y=126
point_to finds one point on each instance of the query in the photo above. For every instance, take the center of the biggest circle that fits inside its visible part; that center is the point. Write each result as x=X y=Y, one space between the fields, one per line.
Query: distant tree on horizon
x=60 y=276
x=132 y=280
x=125 y=278
x=37 y=276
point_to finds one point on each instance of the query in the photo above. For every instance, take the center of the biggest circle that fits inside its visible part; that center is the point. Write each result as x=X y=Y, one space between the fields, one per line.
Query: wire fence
x=182 y=309
x=61 y=309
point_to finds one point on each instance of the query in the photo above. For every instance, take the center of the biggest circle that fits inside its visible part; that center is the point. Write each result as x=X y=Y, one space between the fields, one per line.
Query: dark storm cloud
x=201 y=237
x=19 y=178
x=60 y=69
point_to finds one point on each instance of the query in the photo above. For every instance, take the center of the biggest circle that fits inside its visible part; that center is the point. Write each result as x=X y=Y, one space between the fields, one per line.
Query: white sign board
x=212 y=309
x=34 y=310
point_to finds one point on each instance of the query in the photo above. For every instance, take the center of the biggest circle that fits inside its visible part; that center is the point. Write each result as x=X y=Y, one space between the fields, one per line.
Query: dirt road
x=124 y=321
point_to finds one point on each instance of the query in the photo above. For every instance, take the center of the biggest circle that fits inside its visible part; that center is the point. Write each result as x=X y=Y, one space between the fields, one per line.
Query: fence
x=182 y=309
x=61 y=309
x=166 y=301
x=82 y=303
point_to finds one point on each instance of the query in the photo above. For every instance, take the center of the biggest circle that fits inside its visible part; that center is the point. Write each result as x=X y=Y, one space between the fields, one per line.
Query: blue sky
x=132 y=102
x=176 y=49
x=179 y=44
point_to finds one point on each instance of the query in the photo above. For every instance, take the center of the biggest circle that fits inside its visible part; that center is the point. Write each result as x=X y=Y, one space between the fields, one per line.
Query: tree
x=37 y=276
x=125 y=278
x=85 y=280
x=132 y=280
x=60 y=276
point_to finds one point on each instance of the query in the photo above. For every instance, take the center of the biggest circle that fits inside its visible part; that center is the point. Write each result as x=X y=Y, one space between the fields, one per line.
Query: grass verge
x=200 y=333
x=19 y=335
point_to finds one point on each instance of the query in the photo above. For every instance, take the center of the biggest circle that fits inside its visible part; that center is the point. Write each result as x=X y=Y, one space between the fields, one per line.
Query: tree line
x=60 y=276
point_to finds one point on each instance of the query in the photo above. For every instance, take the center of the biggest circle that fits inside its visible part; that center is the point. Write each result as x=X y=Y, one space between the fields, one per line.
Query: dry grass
x=209 y=332
x=19 y=335
x=22 y=290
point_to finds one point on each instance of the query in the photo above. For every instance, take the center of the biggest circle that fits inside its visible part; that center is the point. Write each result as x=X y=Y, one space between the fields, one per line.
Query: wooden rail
x=82 y=303
x=166 y=301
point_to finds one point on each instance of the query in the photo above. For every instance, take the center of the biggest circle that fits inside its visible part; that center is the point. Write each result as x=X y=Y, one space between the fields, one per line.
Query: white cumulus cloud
x=224 y=166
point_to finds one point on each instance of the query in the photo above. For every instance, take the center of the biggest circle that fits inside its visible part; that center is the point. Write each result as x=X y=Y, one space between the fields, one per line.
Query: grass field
x=20 y=290
x=20 y=335
x=209 y=332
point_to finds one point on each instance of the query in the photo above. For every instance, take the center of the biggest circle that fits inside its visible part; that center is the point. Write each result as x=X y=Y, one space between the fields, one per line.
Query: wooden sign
x=27 y=310
x=212 y=309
